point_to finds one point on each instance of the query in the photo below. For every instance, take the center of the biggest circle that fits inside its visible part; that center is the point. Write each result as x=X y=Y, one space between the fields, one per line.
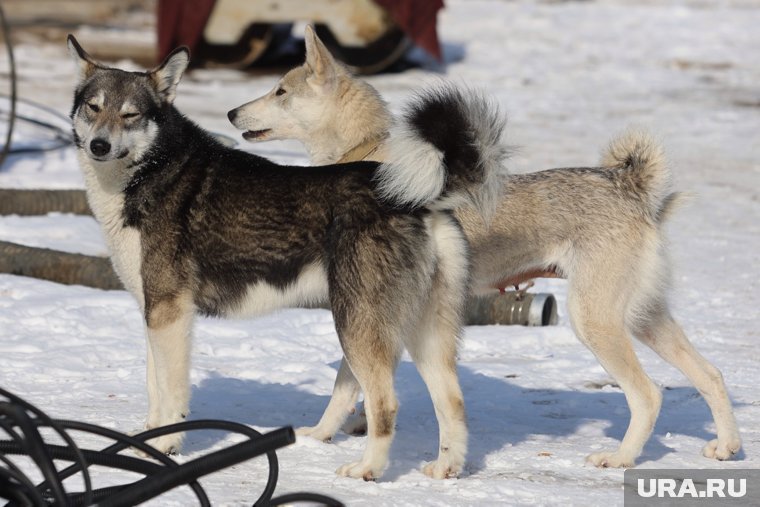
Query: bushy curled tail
x=446 y=150
x=646 y=173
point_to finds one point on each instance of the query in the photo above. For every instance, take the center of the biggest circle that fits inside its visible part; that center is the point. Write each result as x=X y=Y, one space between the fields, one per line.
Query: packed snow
x=569 y=75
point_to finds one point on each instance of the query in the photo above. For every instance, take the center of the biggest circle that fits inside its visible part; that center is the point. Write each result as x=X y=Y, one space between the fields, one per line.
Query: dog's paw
x=359 y=470
x=356 y=425
x=167 y=444
x=314 y=432
x=442 y=469
x=722 y=449
x=610 y=460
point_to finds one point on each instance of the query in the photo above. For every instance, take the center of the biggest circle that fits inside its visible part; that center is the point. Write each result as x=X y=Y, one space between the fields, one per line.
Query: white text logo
x=670 y=488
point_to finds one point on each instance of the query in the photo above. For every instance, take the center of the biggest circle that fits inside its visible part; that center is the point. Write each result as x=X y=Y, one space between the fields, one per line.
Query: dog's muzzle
x=248 y=135
x=100 y=147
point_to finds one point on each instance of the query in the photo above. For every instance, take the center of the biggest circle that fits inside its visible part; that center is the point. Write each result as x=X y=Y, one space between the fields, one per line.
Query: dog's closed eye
x=127 y=116
x=93 y=107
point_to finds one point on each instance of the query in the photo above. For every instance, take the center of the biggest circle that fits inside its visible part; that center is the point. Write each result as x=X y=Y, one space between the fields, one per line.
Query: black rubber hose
x=122 y=442
x=305 y=497
x=12 y=64
x=62 y=452
x=18 y=488
x=27 y=440
x=206 y=424
x=34 y=446
x=43 y=418
x=137 y=441
x=156 y=484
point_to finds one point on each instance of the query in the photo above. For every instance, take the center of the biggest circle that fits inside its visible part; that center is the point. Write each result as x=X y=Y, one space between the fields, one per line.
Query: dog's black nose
x=232 y=115
x=100 y=147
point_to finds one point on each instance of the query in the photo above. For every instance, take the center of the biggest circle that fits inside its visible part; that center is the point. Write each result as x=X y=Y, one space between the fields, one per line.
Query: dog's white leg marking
x=169 y=328
x=667 y=338
x=605 y=335
x=342 y=403
x=434 y=348
x=154 y=402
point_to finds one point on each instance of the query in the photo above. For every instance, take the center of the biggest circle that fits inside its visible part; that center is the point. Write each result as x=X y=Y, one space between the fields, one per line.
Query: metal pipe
x=512 y=308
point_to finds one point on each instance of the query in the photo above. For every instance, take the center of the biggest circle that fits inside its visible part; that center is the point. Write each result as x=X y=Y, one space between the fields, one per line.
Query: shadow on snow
x=500 y=414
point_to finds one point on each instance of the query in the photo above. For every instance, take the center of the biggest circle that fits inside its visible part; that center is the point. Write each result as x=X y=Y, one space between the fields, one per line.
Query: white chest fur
x=105 y=183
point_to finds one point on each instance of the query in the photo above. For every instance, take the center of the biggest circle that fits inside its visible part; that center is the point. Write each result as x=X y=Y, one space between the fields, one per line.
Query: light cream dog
x=601 y=228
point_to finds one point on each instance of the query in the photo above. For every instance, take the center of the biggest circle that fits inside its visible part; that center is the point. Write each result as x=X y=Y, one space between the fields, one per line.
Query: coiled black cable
x=12 y=73
x=13 y=399
x=21 y=420
x=61 y=136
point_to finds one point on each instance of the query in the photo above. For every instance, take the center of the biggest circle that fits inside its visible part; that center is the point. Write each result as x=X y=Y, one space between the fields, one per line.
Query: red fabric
x=181 y=22
x=418 y=19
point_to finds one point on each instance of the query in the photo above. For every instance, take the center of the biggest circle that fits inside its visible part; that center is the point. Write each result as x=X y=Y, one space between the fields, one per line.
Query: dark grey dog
x=196 y=227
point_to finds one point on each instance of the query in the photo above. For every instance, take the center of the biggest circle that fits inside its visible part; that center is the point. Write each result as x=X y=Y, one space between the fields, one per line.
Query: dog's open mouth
x=252 y=135
x=107 y=158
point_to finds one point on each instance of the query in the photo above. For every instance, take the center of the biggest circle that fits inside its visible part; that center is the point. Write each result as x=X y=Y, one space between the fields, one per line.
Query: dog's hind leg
x=434 y=352
x=342 y=403
x=380 y=276
x=434 y=347
x=666 y=338
x=378 y=280
x=372 y=357
x=168 y=325
x=603 y=331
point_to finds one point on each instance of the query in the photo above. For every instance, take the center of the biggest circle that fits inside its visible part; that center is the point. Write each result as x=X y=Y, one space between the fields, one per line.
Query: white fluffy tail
x=646 y=170
x=446 y=150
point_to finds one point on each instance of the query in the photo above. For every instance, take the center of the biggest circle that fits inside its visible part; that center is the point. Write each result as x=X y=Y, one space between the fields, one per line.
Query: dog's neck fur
x=349 y=128
x=105 y=183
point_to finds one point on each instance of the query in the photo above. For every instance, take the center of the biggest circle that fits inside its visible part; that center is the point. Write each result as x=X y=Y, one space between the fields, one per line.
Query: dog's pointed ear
x=321 y=63
x=166 y=76
x=85 y=63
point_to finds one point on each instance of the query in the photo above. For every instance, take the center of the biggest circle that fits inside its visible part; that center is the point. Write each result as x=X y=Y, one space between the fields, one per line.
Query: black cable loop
x=158 y=478
x=62 y=136
x=65 y=436
x=12 y=73
x=13 y=473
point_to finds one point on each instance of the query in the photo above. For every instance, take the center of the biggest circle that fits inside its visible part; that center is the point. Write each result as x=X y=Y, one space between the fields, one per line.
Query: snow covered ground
x=569 y=75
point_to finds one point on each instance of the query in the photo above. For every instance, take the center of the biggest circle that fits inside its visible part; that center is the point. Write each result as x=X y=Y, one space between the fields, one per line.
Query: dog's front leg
x=151 y=378
x=169 y=323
